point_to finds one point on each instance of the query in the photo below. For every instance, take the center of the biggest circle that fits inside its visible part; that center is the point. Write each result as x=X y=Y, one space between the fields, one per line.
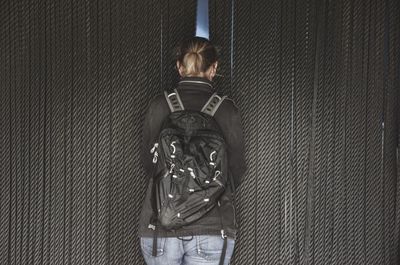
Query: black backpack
x=191 y=164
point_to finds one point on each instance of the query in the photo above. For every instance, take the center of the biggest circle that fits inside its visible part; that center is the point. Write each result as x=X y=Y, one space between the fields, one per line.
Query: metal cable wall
x=317 y=84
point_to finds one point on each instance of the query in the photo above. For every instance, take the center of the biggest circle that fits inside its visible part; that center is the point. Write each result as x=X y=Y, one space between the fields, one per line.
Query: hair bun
x=195 y=65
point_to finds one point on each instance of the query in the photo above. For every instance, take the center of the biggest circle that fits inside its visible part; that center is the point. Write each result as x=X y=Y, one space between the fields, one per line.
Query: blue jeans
x=192 y=250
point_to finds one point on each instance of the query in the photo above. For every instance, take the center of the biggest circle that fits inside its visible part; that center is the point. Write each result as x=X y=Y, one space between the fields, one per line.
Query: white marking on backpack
x=217 y=173
x=212 y=153
x=174 y=148
x=172 y=167
x=155 y=157
x=154 y=148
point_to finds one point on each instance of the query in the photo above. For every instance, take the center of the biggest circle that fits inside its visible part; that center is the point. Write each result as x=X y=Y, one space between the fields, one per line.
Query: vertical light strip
x=202 y=25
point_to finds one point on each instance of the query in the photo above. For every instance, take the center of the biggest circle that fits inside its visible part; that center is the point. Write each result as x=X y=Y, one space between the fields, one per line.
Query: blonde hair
x=196 y=55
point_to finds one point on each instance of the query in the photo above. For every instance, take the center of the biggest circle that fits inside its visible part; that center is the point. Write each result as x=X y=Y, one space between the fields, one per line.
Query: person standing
x=199 y=242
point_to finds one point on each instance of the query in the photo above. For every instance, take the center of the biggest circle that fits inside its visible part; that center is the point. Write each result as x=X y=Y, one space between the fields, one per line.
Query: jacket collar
x=197 y=83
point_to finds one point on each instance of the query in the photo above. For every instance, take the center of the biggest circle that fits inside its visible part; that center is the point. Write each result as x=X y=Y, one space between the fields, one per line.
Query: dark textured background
x=317 y=82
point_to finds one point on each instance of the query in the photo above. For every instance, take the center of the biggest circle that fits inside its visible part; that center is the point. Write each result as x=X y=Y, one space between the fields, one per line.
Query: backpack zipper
x=153 y=150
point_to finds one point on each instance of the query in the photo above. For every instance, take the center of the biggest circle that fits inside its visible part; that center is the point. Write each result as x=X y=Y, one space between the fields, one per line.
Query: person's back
x=200 y=241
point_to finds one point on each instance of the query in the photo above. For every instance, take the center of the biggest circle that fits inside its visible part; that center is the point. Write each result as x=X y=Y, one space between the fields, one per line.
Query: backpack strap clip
x=212 y=104
x=174 y=101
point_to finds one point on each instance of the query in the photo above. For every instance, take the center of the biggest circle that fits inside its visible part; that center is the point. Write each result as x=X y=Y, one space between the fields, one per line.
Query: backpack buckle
x=223 y=234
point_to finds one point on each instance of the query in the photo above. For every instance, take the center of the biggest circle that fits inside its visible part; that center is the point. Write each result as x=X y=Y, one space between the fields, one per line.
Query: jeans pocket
x=210 y=247
x=146 y=244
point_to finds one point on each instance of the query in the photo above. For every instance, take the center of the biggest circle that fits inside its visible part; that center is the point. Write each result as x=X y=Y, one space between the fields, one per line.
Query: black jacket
x=194 y=92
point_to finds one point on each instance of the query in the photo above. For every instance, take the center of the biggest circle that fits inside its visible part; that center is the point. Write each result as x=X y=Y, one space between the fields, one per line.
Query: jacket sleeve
x=233 y=132
x=153 y=119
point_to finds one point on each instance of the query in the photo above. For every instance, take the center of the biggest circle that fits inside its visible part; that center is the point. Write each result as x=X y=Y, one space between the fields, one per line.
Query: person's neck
x=201 y=76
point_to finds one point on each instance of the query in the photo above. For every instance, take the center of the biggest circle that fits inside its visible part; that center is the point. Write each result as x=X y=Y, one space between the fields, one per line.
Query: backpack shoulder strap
x=174 y=101
x=212 y=104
